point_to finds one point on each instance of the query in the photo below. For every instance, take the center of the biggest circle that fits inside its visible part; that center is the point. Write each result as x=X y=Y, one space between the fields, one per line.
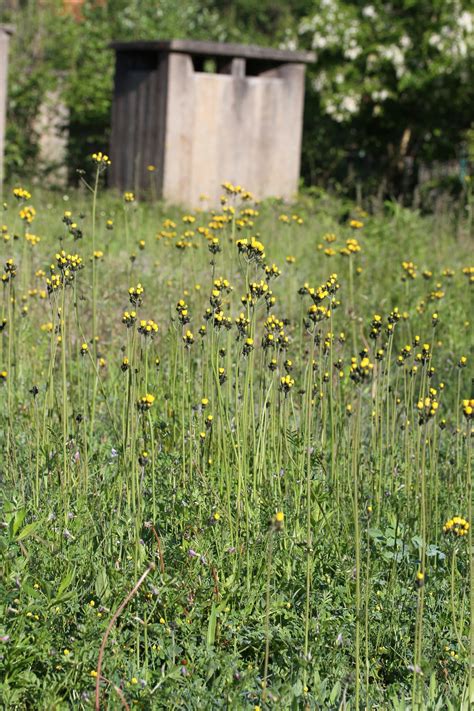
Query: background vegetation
x=392 y=87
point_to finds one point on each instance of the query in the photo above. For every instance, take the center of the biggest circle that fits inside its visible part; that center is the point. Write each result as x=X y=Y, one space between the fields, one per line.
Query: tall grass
x=266 y=410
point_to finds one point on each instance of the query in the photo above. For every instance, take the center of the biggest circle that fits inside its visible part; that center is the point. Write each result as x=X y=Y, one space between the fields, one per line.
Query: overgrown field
x=253 y=429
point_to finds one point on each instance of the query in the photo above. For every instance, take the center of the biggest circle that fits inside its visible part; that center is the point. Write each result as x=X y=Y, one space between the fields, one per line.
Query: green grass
x=358 y=599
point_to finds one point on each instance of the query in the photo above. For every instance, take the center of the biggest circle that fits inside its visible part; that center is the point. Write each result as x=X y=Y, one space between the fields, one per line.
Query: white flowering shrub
x=395 y=77
x=376 y=51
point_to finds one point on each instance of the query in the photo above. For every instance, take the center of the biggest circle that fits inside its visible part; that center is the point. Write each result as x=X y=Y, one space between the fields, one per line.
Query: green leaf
x=102 y=587
x=28 y=530
x=19 y=518
x=297 y=688
x=335 y=692
x=211 y=627
x=65 y=583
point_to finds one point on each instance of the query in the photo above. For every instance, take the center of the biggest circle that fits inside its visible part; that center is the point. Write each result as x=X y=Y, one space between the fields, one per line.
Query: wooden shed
x=202 y=113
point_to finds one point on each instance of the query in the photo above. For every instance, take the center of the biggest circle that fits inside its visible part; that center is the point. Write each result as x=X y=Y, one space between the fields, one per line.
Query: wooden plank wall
x=138 y=116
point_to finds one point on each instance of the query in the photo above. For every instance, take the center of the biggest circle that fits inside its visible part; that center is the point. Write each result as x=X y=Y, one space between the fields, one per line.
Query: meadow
x=236 y=453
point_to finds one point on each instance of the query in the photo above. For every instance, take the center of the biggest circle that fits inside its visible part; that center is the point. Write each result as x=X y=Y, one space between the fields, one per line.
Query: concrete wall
x=245 y=129
x=51 y=125
x=5 y=32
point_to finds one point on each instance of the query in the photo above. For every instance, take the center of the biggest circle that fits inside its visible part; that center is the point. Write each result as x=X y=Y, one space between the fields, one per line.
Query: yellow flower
x=21 y=194
x=101 y=158
x=28 y=214
x=145 y=402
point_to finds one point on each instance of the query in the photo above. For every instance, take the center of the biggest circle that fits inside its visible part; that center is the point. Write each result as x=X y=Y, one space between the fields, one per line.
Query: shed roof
x=223 y=49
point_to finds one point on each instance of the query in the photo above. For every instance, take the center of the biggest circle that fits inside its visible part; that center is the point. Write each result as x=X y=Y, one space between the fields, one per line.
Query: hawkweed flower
x=10 y=271
x=360 y=369
x=456 y=526
x=468 y=409
x=27 y=214
x=129 y=318
x=148 y=328
x=352 y=247
x=21 y=194
x=183 y=312
x=143 y=458
x=278 y=521
x=32 y=239
x=214 y=245
x=53 y=283
x=242 y=323
x=101 y=159
x=286 y=383
x=288 y=365
x=469 y=274
x=425 y=353
x=252 y=249
x=272 y=272
x=409 y=269
x=420 y=579
x=375 y=326
x=427 y=408
x=135 y=294
x=145 y=402
x=248 y=346
x=68 y=262
x=273 y=364
x=188 y=338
